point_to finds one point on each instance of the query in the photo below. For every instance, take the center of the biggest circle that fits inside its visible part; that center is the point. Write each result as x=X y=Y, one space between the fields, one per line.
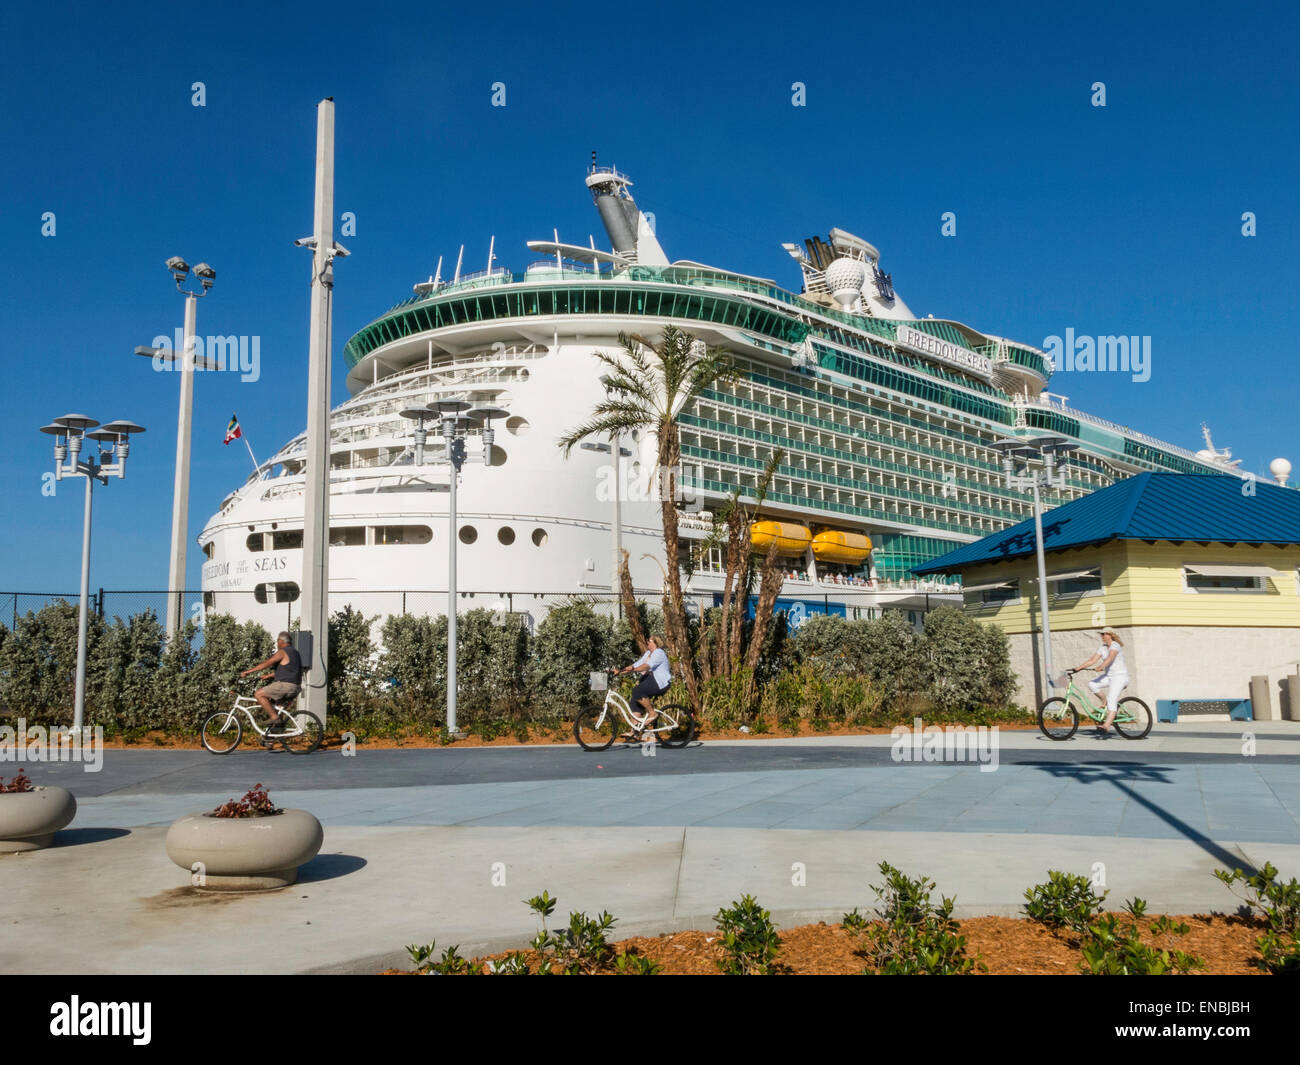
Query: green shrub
x=1279 y=904
x=911 y=936
x=1066 y=900
x=967 y=663
x=1112 y=949
x=749 y=939
x=582 y=949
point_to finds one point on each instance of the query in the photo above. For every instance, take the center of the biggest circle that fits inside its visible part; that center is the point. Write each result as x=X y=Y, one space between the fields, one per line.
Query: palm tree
x=647 y=387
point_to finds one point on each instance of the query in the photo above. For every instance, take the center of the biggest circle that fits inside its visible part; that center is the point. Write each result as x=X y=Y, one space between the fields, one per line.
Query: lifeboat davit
x=842 y=548
x=790 y=539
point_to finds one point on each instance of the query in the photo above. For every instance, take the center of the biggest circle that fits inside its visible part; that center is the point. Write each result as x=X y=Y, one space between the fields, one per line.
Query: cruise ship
x=885 y=420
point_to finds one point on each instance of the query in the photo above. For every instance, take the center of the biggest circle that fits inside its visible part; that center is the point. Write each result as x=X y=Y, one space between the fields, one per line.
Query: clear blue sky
x=1124 y=219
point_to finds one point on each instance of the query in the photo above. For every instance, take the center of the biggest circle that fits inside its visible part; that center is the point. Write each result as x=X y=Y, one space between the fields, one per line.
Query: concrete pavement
x=417 y=842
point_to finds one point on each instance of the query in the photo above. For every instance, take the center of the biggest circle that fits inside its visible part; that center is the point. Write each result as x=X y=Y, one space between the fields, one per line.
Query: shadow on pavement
x=75 y=837
x=329 y=867
x=1121 y=775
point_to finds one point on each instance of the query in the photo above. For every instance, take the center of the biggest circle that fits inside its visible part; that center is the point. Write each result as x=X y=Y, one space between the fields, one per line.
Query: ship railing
x=1041 y=401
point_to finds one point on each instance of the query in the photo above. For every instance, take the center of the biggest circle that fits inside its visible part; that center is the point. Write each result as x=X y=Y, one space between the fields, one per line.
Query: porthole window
x=279 y=592
x=468 y=534
x=256 y=543
x=517 y=426
x=505 y=535
x=539 y=537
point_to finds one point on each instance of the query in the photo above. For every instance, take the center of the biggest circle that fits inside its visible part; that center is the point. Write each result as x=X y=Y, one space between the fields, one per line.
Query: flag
x=233 y=432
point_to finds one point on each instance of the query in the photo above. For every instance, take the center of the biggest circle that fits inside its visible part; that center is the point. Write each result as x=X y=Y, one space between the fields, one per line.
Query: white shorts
x=1113 y=685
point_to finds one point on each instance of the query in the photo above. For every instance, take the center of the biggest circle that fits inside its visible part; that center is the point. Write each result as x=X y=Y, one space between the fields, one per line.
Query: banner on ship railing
x=944 y=351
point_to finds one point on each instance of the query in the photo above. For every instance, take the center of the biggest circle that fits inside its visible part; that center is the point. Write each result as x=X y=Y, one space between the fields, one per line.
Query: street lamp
x=1017 y=457
x=114 y=445
x=456 y=418
x=206 y=277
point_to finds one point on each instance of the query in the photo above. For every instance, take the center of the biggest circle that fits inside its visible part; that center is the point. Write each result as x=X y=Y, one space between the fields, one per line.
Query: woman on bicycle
x=656 y=680
x=1112 y=675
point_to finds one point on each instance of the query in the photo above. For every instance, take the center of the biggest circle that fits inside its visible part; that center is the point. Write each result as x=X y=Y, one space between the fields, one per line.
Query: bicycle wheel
x=307 y=735
x=1133 y=718
x=1057 y=720
x=595 y=728
x=681 y=726
x=221 y=732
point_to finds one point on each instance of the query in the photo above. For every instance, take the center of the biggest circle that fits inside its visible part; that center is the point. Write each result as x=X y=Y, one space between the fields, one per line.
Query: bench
x=1238 y=709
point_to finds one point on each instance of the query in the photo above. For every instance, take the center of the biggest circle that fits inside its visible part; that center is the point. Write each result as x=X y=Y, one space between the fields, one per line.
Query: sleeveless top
x=290 y=672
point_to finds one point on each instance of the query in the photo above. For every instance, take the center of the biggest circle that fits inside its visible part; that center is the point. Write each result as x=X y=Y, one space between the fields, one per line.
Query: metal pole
x=451 y=594
x=181 y=486
x=79 y=703
x=617 y=451
x=315 y=540
x=1042 y=586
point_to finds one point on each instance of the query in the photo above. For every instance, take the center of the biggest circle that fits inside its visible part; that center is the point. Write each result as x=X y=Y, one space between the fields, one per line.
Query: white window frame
x=1260 y=574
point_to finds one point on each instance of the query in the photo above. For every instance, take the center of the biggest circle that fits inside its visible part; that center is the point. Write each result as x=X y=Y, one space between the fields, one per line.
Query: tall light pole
x=456 y=417
x=1017 y=457
x=180 y=271
x=316 y=493
x=114 y=441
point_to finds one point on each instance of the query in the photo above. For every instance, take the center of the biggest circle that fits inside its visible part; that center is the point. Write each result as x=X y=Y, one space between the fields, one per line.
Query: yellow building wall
x=1142 y=584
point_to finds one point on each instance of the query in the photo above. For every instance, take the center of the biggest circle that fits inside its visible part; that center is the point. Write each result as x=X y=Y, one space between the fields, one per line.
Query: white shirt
x=658 y=662
x=1118 y=668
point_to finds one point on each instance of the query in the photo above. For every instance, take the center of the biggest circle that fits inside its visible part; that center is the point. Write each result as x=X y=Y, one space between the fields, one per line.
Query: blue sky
x=1117 y=220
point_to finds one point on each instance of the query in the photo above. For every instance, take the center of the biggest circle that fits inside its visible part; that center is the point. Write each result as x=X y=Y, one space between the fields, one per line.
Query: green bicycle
x=1058 y=718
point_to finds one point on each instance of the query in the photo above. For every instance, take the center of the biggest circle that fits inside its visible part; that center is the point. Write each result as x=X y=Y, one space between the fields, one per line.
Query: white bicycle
x=298 y=732
x=596 y=729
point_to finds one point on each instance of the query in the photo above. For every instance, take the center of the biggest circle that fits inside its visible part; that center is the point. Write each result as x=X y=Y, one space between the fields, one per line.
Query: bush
x=1064 y=901
x=571 y=643
x=912 y=935
x=1279 y=904
x=1110 y=949
x=749 y=939
x=967 y=664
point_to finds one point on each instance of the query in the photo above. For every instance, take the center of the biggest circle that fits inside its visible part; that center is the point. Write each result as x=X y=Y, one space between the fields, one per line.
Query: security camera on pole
x=114 y=440
x=1020 y=459
x=206 y=276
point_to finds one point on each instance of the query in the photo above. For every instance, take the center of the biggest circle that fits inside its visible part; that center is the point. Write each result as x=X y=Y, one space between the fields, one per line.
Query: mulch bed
x=999 y=945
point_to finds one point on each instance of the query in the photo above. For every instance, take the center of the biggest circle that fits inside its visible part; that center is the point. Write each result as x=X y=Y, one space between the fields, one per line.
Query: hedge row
x=876 y=671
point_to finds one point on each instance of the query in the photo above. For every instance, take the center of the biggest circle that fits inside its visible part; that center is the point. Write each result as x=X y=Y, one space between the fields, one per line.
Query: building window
x=208 y=549
x=505 y=536
x=1225 y=578
x=993 y=594
x=287 y=540
x=468 y=534
x=539 y=537
x=1074 y=583
x=257 y=543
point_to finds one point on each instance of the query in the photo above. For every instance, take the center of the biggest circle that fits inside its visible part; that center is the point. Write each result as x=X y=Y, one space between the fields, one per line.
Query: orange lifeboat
x=790 y=539
x=841 y=548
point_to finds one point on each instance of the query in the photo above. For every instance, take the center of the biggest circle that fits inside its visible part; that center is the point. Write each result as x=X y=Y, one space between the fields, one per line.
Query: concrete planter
x=29 y=819
x=244 y=853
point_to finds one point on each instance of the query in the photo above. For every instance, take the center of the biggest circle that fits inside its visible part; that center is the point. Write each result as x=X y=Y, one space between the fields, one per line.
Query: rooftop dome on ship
x=844 y=277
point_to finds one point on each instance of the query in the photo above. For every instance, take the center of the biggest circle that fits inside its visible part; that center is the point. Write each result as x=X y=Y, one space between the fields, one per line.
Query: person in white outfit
x=656 y=678
x=1112 y=674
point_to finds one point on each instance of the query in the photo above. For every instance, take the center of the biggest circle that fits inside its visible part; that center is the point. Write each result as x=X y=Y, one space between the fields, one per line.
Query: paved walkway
x=416 y=841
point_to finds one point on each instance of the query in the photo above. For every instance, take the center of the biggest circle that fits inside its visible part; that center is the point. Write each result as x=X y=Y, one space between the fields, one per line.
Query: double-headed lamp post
x=456 y=416
x=114 y=444
x=206 y=276
x=1037 y=463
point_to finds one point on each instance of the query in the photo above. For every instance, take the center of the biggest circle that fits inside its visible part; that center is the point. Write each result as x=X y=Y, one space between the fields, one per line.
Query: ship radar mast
x=1210 y=453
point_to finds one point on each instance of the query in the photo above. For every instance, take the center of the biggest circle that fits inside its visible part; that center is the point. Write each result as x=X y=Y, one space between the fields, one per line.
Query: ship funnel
x=630 y=232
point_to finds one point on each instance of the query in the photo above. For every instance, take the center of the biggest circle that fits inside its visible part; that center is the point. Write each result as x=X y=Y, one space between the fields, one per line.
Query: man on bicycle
x=656 y=680
x=287 y=676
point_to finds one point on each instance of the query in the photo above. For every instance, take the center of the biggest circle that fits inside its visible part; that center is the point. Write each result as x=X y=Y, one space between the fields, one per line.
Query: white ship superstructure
x=885 y=420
